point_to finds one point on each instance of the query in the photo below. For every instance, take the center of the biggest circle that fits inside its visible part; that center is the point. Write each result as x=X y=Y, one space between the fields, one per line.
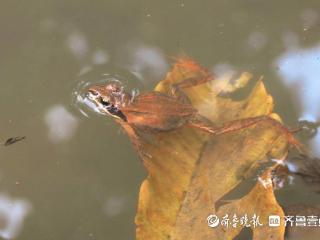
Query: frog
x=153 y=111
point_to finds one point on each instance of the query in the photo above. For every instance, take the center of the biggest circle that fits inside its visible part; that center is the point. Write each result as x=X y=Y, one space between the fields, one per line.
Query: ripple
x=101 y=75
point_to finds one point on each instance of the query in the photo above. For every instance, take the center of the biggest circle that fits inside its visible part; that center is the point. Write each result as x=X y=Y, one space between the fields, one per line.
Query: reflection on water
x=12 y=215
x=148 y=62
x=309 y=17
x=100 y=57
x=61 y=124
x=300 y=71
x=77 y=44
x=114 y=206
x=256 y=41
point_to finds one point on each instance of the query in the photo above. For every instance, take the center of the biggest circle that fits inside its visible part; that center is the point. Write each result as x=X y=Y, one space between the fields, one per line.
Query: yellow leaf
x=189 y=170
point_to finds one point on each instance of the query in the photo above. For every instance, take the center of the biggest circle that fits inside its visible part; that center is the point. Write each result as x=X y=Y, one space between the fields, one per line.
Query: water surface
x=78 y=178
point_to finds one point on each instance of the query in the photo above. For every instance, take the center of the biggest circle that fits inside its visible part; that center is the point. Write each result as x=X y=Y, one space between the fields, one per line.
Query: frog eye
x=93 y=92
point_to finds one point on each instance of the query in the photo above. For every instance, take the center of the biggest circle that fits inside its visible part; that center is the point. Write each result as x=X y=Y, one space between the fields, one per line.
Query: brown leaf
x=190 y=170
x=260 y=202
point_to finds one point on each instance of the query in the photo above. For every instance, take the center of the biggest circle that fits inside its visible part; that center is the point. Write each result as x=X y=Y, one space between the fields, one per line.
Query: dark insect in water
x=13 y=140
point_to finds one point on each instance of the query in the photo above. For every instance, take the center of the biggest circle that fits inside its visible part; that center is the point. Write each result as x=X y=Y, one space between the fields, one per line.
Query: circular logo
x=213 y=221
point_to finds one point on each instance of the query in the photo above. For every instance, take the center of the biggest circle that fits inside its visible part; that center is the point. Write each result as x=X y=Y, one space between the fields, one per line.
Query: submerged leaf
x=190 y=170
x=257 y=205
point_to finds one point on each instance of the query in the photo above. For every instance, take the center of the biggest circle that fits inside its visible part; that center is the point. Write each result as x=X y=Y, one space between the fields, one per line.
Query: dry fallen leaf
x=189 y=170
x=259 y=202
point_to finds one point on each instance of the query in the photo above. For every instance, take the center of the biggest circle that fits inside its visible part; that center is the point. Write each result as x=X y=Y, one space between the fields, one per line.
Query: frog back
x=158 y=111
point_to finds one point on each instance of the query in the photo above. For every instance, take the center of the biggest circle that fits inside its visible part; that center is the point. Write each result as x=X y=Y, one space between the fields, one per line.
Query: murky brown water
x=75 y=177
